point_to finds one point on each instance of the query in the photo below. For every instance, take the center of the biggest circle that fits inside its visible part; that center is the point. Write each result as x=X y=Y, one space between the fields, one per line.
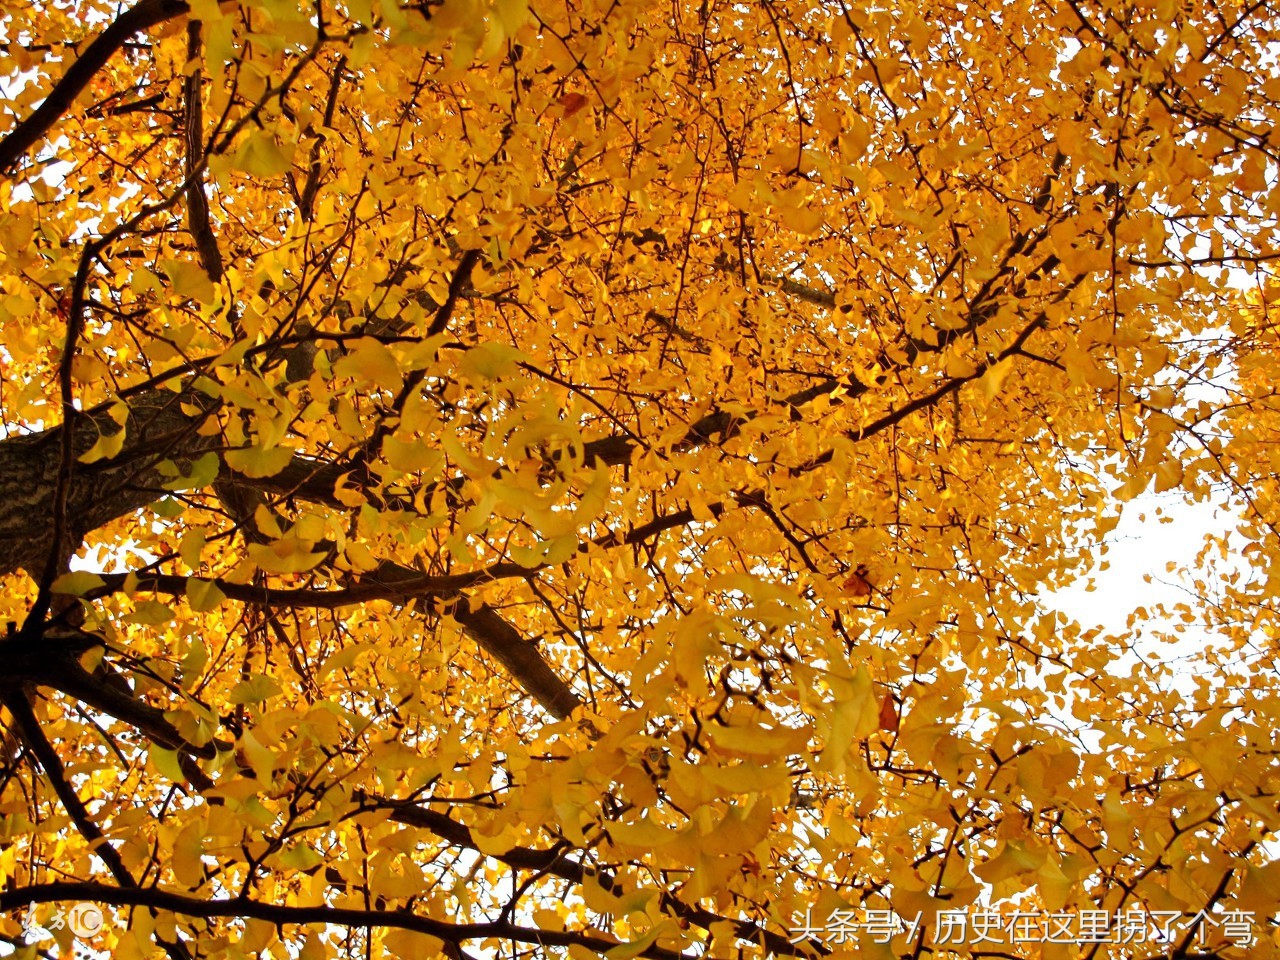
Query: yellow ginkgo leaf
x=286 y=555
x=256 y=462
x=107 y=447
x=992 y=381
x=261 y=155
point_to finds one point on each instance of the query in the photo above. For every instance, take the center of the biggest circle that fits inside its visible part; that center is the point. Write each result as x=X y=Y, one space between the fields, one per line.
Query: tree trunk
x=156 y=430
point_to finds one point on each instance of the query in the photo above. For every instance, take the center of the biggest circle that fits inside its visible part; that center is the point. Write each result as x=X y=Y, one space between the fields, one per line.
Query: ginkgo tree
x=491 y=478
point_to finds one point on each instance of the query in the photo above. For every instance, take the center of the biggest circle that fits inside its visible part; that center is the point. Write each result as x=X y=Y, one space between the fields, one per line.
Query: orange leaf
x=857 y=584
x=889 y=714
x=572 y=103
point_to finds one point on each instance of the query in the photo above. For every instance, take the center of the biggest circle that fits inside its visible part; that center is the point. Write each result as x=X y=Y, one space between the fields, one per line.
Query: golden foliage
x=585 y=478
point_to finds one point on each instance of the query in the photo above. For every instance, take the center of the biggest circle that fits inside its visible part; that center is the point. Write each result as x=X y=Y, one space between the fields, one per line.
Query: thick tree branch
x=945 y=389
x=52 y=662
x=314 y=480
x=307 y=197
x=30 y=131
x=407 y=585
x=390 y=581
x=66 y=675
x=15 y=698
x=557 y=864
x=198 y=221
x=520 y=657
x=243 y=907
x=156 y=429
x=28 y=727
x=439 y=323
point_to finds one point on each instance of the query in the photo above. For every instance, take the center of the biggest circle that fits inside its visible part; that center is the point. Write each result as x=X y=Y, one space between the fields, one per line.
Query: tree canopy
x=493 y=478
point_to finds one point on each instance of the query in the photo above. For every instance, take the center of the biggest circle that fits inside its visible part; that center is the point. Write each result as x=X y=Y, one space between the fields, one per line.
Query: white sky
x=1136 y=557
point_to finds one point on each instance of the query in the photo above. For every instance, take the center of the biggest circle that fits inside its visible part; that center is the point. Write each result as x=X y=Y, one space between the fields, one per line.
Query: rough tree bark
x=158 y=429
